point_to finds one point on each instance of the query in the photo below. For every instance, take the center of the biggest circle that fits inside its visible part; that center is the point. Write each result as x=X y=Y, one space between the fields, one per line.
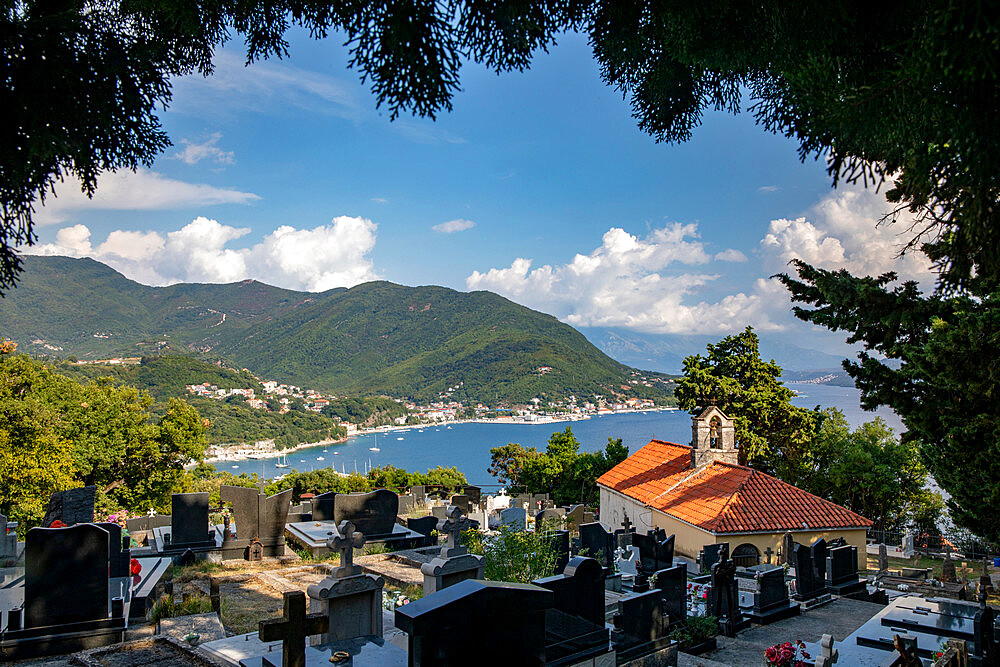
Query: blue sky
x=540 y=185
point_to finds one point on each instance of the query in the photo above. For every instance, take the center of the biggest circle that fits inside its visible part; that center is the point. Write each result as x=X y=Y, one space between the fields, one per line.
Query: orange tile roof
x=721 y=497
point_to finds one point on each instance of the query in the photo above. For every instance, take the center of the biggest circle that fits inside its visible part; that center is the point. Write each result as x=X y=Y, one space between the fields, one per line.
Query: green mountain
x=378 y=337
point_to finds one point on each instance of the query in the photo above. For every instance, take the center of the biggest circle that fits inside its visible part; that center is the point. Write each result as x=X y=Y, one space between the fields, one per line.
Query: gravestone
x=351 y=599
x=828 y=655
x=597 y=542
x=655 y=552
x=474 y=493
x=559 y=541
x=439 y=511
x=819 y=553
x=407 y=503
x=948 y=575
x=908 y=545
x=787 y=549
x=627 y=561
x=446 y=629
x=373 y=514
x=71 y=507
x=8 y=539
x=808 y=589
x=455 y=563
x=424 y=525
x=672 y=584
x=641 y=626
x=883 y=558
x=189 y=522
x=147 y=523
x=293 y=628
x=577 y=516
x=452 y=526
x=546 y=519
x=514 y=517
x=322 y=506
x=575 y=631
x=712 y=554
x=259 y=519
x=725 y=595
x=119 y=554
x=770 y=597
x=66 y=575
x=462 y=501
x=842 y=572
x=419 y=493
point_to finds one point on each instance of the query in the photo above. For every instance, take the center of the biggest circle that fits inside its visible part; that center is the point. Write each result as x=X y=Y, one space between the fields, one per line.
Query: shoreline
x=546 y=420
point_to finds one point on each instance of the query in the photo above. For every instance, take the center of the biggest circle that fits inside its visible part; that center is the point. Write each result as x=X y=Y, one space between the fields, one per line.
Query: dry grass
x=972 y=569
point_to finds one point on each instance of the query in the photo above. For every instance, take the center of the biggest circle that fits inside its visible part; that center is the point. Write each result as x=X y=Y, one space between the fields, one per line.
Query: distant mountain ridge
x=377 y=337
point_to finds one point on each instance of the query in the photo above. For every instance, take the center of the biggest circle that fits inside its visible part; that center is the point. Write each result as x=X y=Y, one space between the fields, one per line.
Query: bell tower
x=713 y=438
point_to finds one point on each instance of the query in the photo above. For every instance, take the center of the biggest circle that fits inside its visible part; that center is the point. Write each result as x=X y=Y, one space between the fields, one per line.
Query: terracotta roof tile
x=721 y=497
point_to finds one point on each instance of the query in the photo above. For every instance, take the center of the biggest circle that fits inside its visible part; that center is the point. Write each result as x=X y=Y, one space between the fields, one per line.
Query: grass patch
x=974 y=568
x=167 y=607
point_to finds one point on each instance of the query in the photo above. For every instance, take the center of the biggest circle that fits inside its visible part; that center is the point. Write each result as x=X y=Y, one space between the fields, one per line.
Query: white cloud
x=380 y=200
x=730 y=255
x=626 y=282
x=768 y=188
x=841 y=232
x=453 y=226
x=195 y=152
x=142 y=190
x=327 y=256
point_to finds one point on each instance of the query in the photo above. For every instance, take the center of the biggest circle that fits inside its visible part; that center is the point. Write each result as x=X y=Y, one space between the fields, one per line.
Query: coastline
x=543 y=420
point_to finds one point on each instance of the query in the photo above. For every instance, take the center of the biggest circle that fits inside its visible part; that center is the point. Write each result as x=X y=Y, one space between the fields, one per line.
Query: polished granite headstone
x=654 y=553
x=574 y=626
x=672 y=584
x=8 y=539
x=322 y=506
x=119 y=554
x=641 y=626
x=485 y=623
x=807 y=587
x=475 y=494
x=514 y=518
x=710 y=555
x=71 y=506
x=546 y=519
x=463 y=501
x=597 y=542
x=373 y=514
x=259 y=518
x=842 y=572
x=770 y=597
x=189 y=522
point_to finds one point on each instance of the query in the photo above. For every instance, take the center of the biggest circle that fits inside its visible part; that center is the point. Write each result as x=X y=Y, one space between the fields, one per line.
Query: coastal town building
x=701 y=494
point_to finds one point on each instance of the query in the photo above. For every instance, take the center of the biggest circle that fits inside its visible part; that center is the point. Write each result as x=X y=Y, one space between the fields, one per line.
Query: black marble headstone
x=656 y=551
x=641 y=627
x=445 y=629
x=843 y=565
x=579 y=590
x=819 y=551
x=463 y=501
x=806 y=586
x=65 y=575
x=71 y=507
x=373 y=514
x=545 y=519
x=118 y=557
x=597 y=542
x=771 y=590
x=423 y=525
x=189 y=520
x=787 y=547
x=559 y=540
x=672 y=583
x=258 y=517
x=725 y=594
x=322 y=506
x=711 y=554
x=475 y=494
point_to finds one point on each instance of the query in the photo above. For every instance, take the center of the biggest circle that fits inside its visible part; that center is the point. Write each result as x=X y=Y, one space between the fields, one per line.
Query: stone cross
x=627 y=524
x=346 y=541
x=768 y=552
x=828 y=655
x=453 y=525
x=293 y=628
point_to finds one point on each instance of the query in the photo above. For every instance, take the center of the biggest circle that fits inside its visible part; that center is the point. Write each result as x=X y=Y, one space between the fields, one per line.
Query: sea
x=467 y=446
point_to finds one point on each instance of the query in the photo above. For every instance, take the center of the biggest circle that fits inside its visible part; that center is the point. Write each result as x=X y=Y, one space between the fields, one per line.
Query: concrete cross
x=627 y=524
x=453 y=524
x=346 y=541
x=293 y=628
x=768 y=552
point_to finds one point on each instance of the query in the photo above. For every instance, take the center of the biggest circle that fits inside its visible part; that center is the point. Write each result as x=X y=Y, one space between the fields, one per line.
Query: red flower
x=771 y=654
x=135 y=567
x=57 y=524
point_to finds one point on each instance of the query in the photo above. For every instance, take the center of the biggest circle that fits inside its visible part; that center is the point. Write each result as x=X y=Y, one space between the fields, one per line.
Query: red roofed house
x=703 y=496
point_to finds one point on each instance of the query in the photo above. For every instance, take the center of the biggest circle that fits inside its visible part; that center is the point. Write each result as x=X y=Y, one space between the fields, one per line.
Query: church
x=702 y=495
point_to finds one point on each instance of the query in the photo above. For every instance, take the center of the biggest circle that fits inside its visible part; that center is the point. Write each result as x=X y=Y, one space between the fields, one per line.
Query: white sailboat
x=375 y=447
x=282 y=462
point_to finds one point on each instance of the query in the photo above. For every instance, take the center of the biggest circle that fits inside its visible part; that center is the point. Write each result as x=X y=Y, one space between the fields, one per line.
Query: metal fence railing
x=968 y=546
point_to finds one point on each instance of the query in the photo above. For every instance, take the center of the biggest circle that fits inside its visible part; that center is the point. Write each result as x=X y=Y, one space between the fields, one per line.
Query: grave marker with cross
x=828 y=655
x=293 y=628
x=768 y=552
x=453 y=524
x=346 y=541
x=627 y=524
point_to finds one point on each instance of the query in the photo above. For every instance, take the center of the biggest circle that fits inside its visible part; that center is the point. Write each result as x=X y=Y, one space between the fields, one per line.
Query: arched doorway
x=746 y=555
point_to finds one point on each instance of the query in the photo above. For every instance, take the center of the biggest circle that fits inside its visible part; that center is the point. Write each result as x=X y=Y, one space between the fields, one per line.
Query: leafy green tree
x=772 y=434
x=941 y=374
x=562 y=471
x=512 y=555
x=869 y=471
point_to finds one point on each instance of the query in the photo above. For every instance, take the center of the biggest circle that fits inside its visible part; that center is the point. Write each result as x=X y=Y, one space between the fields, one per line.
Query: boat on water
x=236 y=466
x=282 y=463
x=400 y=438
x=336 y=453
x=376 y=449
x=320 y=458
x=324 y=450
x=449 y=427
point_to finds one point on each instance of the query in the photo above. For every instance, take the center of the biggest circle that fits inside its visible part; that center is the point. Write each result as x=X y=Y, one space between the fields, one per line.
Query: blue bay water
x=467 y=446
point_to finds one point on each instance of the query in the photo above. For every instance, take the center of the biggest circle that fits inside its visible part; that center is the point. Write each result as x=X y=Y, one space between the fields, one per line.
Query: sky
x=538 y=186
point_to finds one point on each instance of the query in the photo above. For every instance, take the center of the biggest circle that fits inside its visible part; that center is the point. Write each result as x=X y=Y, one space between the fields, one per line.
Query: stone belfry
x=713 y=438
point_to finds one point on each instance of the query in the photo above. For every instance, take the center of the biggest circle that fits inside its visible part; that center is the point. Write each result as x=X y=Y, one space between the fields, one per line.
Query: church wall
x=688 y=539
x=614 y=505
x=854 y=537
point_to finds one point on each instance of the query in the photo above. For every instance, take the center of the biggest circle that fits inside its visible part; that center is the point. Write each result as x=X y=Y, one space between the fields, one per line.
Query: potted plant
x=698 y=634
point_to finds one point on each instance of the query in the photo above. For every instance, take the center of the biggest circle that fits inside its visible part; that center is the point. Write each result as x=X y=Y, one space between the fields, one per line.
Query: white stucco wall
x=614 y=505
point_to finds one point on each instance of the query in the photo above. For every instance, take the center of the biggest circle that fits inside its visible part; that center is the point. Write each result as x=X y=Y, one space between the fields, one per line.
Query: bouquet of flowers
x=787 y=655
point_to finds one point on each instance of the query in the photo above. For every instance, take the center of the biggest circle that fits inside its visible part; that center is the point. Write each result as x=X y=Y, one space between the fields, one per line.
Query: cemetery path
x=839 y=618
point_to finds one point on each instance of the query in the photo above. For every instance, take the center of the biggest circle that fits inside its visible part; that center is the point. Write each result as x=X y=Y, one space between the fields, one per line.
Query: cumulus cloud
x=840 y=232
x=730 y=255
x=194 y=152
x=453 y=226
x=630 y=282
x=143 y=190
x=327 y=256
